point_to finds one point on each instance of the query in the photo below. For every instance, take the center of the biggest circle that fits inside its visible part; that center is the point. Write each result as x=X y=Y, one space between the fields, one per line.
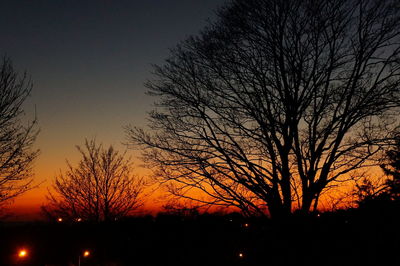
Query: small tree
x=100 y=188
x=16 y=139
x=368 y=191
x=387 y=190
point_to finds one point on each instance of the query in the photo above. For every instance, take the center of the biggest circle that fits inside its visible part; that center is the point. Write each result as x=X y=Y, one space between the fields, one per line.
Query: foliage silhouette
x=392 y=170
x=385 y=196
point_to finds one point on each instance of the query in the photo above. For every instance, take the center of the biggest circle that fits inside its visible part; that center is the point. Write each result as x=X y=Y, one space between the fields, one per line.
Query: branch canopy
x=100 y=188
x=275 y=101
x=16 y=139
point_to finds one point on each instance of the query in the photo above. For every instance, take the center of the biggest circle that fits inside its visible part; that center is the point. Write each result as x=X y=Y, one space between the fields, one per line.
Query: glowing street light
x=59 y=220
x=85 y=254
x=241 y=255
x=22 y=253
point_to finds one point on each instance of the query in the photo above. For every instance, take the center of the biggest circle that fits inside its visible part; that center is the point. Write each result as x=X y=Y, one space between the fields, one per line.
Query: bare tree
x=100 y=188
x=275 y=102
x=16 y=139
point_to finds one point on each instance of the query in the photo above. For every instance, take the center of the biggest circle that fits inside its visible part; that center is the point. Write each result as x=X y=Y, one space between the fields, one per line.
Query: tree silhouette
x=392 y=170
x=275 y=102
x=16 y=139
x=388 y=188
x=100 y=188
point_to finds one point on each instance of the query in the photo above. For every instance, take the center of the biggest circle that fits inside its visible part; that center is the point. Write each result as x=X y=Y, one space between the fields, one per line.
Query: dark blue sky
x=88 y=61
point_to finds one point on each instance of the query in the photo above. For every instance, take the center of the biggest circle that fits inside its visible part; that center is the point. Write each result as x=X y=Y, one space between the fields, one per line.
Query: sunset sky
x=88 y=61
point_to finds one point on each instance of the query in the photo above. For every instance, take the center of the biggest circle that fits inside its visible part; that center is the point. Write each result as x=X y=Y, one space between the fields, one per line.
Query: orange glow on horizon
x=27 y=206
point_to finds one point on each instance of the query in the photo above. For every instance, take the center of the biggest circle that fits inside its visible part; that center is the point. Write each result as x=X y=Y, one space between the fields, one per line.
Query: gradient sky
x=88 y=61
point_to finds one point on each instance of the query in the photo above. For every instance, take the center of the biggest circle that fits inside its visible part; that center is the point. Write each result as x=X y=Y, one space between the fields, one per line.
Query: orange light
x=246 y=225
x=79 y=220
x=241 y=255
x=59 y=220
x=86 y=253
x=22 y=253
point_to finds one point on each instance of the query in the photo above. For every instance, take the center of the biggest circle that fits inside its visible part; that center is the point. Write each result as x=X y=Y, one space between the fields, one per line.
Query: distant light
x=319 y=215
x=241 y=255
x=246 y=225
x=59 y=220
x=22 y=253
x=86 y=253
x=79 y=220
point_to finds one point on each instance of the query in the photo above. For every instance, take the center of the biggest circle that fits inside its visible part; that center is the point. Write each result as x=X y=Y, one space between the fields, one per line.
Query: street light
x=22 y=253
x=85 y=254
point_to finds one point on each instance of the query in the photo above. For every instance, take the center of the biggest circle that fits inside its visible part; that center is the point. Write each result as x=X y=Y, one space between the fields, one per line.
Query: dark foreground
x=342 y=238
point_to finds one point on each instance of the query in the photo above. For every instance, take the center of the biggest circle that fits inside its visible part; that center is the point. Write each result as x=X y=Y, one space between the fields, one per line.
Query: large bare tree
x=16 y=136
x=275 y=102
x=100 y=188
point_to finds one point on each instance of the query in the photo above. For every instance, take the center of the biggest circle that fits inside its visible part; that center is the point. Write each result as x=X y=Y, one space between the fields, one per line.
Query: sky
x=88 y=61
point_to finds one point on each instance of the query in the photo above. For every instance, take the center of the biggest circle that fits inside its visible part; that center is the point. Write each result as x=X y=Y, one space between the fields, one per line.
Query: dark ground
x=351 y=237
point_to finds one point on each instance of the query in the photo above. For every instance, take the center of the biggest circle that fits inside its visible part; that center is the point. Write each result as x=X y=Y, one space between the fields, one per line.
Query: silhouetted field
x=351 y=237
